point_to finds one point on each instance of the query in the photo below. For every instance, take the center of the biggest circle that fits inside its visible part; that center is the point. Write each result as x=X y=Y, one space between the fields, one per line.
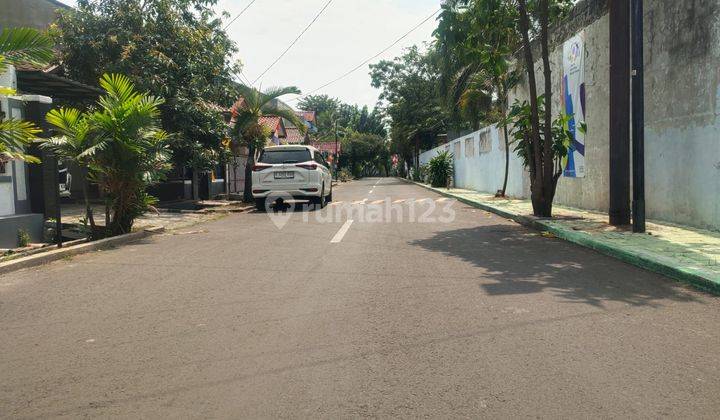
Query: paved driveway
x=462 y=314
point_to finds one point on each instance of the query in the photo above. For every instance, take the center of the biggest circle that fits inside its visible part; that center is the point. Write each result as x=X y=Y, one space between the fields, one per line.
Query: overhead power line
x=356 y=68
x=238 y=15
x=294 y=41
x=242 y=77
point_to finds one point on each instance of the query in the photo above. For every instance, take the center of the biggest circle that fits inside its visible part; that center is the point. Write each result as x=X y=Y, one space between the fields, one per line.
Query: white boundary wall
x=479 y=160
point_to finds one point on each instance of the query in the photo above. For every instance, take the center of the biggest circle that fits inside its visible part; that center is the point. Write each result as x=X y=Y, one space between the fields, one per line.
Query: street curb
x=57 y=254
x=695 y=278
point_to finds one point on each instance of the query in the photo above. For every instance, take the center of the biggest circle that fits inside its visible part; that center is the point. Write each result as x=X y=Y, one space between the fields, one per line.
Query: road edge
x=60 y=253
x=638 y=259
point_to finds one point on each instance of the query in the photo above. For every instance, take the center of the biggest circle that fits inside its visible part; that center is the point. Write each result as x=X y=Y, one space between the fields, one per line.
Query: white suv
x=296 y=171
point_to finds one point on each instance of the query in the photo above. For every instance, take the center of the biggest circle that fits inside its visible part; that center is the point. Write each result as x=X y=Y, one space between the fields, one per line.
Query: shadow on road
x=519 y=261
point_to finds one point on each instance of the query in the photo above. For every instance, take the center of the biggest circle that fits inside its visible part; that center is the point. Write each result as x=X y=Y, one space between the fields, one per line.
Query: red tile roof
x=294 y=136
x=273 y=123
x=328 y=146
x=306 y=115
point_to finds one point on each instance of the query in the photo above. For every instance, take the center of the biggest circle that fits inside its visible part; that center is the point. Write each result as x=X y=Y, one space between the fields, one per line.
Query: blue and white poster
x=573 y=101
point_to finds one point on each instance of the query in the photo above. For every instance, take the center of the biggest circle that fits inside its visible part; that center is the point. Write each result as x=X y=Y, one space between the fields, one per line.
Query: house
x=276 y=125
x=29 y=192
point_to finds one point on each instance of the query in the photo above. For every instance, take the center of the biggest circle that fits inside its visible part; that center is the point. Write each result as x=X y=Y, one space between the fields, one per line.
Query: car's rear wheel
x=260 y=204
x=320 y=201
x=329 y=197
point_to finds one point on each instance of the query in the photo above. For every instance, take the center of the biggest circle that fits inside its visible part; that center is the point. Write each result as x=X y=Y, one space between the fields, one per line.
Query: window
x=284 y=156
x=469 y=147
x=320 y=159
x=457 y=153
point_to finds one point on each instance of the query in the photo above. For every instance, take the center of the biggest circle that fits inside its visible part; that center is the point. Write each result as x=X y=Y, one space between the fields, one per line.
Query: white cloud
x=348 y=32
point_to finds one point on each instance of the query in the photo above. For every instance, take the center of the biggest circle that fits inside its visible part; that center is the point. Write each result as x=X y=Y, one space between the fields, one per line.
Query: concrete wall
x=32 y=224
x=28 y=13
x=682 y=105
x=479 y=160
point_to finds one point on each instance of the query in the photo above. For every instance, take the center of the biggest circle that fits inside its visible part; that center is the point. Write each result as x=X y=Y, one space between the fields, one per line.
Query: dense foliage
x=409 y=98
x=440 y=169
x=333 y=113
x=465 y=78
x=20 y=46
x=365 y=155
x=120 y=144
x=173 y=49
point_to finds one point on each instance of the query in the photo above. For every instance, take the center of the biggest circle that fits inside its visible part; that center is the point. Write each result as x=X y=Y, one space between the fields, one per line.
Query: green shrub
x=440 y=169
x=345 y=175
x=419 y=174
x=23 y=238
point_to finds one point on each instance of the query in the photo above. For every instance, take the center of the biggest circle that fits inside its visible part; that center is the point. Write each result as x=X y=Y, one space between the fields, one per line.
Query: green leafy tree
x=481 y=57
x=20 y=46
x=475 y=39
x=133 y=149
x=534 y=19
x=75 y=144
x=173 y=49
x=366 y=154
x=246 y=128
x=334 y=115
x=411 y=102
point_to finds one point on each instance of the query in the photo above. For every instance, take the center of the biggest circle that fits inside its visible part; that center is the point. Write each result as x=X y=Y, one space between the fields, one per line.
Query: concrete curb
x=655 y=263
x=57 y=254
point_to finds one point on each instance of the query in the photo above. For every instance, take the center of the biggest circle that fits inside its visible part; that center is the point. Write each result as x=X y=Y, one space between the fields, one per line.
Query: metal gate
x=236 y=174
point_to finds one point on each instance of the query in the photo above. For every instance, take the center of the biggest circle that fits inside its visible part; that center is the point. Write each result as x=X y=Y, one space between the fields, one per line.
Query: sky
x=346 y=34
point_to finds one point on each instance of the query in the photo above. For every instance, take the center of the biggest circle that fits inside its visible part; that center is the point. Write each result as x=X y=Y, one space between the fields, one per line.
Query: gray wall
x=30 y=223
x=682 y=104
x=30 y=13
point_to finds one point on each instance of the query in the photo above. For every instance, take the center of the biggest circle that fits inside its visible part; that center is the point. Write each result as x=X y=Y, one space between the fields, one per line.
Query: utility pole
x=337 y=160
x=619 y=178
x=638 y=118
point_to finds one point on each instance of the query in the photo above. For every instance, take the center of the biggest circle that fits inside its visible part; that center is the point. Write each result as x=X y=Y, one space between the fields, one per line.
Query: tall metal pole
x=337 y=160
x=619 y=177
x=638 y=118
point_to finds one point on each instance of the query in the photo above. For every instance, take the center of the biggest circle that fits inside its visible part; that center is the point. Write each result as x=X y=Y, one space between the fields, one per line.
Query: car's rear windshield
x=284 y=156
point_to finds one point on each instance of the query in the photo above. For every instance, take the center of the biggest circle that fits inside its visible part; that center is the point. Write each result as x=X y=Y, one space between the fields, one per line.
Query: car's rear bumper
x=296 y=192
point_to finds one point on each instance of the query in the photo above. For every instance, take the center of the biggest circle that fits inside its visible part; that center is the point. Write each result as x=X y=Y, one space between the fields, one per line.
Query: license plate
x=284 y=175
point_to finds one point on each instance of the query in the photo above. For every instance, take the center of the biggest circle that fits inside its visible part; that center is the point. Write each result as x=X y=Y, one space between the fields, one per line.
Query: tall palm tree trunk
x=247 y=191
x=88 y=208
x=507 y=157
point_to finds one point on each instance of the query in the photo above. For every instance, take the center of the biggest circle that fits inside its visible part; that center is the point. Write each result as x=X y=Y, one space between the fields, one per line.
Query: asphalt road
x=471 y=316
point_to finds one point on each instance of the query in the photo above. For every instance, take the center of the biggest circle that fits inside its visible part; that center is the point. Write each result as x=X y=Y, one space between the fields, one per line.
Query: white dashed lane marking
x=341 y=233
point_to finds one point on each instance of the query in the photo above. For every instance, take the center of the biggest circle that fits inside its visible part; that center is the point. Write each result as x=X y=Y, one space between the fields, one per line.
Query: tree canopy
x=349 y=118
x=173 y=49
x=409 y=94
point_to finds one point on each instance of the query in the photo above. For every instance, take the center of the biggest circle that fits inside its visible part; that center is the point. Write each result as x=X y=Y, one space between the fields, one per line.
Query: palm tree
x=20 y=46
x=75 y=145
x=246 y=128
x=132 y=149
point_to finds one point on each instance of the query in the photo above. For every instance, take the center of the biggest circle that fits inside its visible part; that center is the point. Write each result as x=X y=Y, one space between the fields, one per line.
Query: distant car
x=296 y=171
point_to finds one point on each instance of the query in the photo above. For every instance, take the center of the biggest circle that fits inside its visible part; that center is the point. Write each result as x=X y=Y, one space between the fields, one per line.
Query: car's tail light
x=310 y=166
x=260 y=166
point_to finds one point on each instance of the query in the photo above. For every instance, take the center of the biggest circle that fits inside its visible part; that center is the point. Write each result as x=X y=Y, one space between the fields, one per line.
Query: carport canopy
x=41 y=82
